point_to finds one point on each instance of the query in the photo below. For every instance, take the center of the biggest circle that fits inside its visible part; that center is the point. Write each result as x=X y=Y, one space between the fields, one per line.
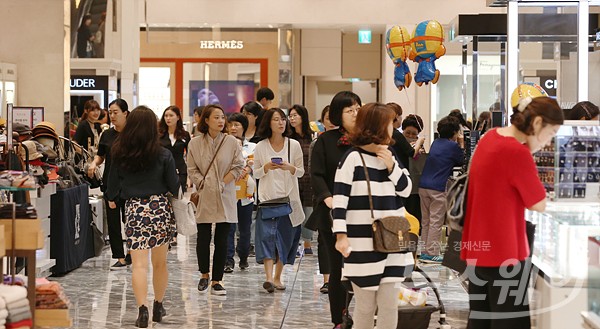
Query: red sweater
x=503 y=181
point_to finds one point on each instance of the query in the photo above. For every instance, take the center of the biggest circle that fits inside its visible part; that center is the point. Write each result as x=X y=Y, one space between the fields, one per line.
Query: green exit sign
x=364 y=36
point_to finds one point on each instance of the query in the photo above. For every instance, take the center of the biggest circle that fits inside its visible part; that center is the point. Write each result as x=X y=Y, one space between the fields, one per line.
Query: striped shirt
x=351 y=215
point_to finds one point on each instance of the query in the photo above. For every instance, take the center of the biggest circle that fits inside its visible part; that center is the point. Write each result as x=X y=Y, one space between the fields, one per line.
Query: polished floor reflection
x=104 y=299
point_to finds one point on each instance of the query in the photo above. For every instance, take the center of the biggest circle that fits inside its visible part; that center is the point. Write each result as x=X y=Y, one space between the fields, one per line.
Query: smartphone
x=277 y=160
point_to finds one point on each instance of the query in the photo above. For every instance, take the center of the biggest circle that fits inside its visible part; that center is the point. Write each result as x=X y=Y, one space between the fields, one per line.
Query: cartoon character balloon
x=427 y=39
x=398 y=47
x=524 y=90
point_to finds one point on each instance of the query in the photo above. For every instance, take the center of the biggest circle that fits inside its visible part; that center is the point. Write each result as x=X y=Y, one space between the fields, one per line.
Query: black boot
x=158 y=311
x=142 y=320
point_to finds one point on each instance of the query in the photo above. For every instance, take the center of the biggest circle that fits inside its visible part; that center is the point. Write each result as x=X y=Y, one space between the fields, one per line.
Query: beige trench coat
x=218 y=203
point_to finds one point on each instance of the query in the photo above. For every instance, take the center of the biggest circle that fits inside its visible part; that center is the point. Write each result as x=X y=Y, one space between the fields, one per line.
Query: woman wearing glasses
x=327 y=153
x=277 y=165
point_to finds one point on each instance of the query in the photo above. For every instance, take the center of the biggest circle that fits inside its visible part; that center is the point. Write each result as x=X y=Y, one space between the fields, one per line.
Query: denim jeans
x=244 y=223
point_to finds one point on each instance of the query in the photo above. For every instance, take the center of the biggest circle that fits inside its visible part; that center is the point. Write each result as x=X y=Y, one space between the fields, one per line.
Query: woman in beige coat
x=216 y=189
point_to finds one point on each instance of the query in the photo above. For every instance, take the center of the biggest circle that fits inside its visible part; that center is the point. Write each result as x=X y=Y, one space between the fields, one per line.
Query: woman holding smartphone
x=277 y=165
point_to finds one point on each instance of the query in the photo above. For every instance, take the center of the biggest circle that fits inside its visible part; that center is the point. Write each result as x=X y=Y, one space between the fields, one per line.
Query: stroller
x=413 y=317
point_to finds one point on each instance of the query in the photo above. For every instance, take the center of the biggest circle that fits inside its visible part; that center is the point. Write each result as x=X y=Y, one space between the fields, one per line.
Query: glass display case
x=560 y=259
x=561 y=235
x=570 y=166
x=592 y=316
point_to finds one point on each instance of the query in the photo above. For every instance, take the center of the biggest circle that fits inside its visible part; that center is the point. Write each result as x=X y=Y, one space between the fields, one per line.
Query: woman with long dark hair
x=326 y=155
x=217 y=200
x=277 y=165
x=175 y=139
x=142 y=174
x=118 y=111
x=301 y=132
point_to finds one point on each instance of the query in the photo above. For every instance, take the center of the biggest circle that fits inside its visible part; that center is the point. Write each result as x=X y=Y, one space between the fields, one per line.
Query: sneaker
x=229 y=265
x=203 y=285
x=324 y=288
x=118 y=266
x=300 y=252
x=308 y=251
x=251 y=253
x=431 y=259
x=244 y=264
x=218 y=289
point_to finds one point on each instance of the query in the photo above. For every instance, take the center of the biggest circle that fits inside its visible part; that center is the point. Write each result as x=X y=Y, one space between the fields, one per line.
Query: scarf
x=343 y=141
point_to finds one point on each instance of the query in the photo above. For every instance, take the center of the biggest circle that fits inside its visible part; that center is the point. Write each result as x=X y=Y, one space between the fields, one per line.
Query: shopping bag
x=184 y=211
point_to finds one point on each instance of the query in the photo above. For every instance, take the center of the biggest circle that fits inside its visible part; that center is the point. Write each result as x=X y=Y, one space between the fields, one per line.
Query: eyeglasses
x=352 y=111
x=293 y=116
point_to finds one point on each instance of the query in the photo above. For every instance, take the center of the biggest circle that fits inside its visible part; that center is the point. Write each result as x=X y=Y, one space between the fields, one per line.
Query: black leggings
x=113 y=221
x=337 y=292
x=203 y=249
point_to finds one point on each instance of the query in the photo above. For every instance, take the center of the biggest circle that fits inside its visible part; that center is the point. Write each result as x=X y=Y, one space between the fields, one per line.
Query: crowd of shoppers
x=262 y=156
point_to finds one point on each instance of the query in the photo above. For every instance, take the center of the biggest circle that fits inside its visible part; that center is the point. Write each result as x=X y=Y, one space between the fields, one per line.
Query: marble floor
x=101 y=298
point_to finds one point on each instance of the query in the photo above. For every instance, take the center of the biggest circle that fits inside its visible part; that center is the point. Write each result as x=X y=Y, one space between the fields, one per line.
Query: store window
x=228 y=84
x=447 y=94
x=155 y=90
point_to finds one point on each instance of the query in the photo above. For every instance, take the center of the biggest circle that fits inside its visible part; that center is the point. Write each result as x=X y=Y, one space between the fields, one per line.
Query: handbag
x=391 y=233
x=452 y=253
x=456 y=201
x=276 y=207
x=184 y=212
x=98 y=240
x=195 y=196
x=452 y=258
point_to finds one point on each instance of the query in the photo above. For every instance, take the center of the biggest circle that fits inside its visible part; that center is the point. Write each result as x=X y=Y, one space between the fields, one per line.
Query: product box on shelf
x=28 y=234
x=2 y=242
x=569 y=167
x=52 y=318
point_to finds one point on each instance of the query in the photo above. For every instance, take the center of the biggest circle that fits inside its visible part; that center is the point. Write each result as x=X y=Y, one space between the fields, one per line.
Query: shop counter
x=560 y=259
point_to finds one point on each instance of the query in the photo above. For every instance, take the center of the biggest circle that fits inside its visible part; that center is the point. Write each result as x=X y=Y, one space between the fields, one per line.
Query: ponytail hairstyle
x=529 y=108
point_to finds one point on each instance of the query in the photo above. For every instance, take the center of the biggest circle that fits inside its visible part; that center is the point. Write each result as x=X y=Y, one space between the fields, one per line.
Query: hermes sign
x=231 y=44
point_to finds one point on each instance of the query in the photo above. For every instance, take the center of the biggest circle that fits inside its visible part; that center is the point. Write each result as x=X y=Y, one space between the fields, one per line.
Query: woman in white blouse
x=277 y=165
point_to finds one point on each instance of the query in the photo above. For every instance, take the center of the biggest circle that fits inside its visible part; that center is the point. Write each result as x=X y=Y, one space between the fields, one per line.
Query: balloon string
x=408 y=99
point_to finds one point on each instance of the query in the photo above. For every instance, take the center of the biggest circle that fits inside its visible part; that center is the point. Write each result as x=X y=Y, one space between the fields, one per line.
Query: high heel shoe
x=142 y=320
x=158 y=311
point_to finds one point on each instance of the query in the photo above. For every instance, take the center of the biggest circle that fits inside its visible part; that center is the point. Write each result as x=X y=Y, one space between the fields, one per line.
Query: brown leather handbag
x=391 y=233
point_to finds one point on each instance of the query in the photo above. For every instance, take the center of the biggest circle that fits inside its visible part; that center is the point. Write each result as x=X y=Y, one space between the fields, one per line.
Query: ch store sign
x=230 y=44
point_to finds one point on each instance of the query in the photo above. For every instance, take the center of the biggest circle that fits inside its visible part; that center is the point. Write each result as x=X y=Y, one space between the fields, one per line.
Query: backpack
x=456 y=201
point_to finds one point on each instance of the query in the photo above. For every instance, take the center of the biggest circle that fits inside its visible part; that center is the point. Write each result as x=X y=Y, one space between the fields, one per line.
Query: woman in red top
x=503 y=182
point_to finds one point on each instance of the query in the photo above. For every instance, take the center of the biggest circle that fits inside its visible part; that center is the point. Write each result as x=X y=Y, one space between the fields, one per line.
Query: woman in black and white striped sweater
x=373 y=275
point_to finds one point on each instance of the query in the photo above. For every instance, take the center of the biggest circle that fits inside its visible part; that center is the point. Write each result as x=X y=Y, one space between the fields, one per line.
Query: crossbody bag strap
x=214 y=157
x=368 y=183
x=258 y=180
